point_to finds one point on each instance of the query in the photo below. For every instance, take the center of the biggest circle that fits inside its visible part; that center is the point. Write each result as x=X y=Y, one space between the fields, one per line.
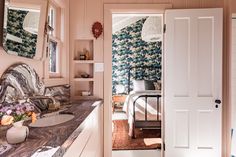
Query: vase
x=17 y=133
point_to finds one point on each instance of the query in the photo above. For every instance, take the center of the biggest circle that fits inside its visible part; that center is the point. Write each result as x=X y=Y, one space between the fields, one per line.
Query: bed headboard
x=140 y=73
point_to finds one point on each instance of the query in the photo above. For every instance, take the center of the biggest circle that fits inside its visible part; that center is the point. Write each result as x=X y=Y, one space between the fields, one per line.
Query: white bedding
x=140 y=107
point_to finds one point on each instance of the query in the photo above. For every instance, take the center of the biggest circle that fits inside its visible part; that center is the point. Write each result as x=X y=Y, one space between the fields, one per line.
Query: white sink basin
x=52 y=120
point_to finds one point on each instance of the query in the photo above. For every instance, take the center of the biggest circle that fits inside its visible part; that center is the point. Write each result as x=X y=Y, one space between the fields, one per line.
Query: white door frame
x=110 y=9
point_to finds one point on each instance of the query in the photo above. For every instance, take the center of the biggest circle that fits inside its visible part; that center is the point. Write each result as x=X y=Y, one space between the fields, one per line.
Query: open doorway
x=136 y=82
x=109 y=11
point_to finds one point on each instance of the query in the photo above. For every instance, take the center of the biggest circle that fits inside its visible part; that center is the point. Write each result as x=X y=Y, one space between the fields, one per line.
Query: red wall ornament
x=97 y=29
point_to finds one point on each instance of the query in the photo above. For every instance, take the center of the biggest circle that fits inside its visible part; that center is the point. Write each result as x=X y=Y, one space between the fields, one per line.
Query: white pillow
x=139 y=85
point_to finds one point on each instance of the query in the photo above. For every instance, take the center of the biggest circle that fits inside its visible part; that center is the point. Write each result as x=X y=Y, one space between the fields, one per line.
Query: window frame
x=55 y=37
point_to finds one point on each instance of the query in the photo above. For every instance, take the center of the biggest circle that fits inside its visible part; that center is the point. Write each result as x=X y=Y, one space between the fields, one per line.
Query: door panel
x=181 y=47
x=181 y=129
x=205 y=129
x=205 y=54
x=192 y=82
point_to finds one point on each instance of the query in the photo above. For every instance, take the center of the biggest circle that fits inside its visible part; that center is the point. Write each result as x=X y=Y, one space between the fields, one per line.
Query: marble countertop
x=58 y=138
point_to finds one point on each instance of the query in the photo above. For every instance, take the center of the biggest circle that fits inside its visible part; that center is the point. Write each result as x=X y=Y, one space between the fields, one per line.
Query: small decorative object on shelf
x=97 y=29
x=85 y=75
x=87 y=57
x=86 y=93
x=15 y=114
x=82 y=57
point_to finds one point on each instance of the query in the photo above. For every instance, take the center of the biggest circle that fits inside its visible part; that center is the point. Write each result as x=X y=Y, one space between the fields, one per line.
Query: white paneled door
x=193 y=82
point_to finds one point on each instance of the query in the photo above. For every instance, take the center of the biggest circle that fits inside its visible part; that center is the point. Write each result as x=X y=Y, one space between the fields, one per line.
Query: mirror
x=23 y=27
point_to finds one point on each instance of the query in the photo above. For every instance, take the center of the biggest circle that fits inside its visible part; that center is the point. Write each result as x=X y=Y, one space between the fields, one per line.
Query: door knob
x=217 y=101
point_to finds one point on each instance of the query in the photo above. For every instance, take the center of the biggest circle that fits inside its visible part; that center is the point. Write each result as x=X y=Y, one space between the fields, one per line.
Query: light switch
x=99 y=67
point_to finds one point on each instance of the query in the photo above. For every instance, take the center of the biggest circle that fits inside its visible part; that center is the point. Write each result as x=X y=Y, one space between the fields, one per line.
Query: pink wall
x=7 y=60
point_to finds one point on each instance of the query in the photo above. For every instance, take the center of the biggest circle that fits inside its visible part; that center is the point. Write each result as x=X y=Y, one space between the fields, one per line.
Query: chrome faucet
x=43 y=97
x=37 y=101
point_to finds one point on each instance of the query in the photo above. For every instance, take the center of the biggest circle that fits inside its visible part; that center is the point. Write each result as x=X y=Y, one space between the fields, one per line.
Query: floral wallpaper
x=15 y=27
x=130 y=50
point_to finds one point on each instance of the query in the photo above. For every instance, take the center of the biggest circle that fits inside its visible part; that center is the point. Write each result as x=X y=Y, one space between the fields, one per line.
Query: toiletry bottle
x=87 y=55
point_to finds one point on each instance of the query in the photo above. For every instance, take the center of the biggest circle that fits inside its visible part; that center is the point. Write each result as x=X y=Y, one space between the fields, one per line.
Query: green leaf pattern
x=15 y=27
x=128 y=49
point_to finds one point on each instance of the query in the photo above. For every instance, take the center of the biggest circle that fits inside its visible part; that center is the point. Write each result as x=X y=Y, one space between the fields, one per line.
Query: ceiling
x=121 y=21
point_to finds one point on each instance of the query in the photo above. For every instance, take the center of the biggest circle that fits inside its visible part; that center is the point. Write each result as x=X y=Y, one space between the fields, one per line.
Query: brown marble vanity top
x=59 y=136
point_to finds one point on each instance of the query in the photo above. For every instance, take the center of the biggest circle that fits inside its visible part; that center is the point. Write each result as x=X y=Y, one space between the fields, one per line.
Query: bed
x=142 y=105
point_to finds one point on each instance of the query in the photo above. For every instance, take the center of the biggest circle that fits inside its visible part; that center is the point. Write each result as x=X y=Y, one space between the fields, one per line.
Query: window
x=52 y=20
x=54 y=41
x=56 y=58
x=53 y=57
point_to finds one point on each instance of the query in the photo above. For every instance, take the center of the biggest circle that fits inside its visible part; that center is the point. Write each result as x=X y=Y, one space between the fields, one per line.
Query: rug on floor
x=145 y=139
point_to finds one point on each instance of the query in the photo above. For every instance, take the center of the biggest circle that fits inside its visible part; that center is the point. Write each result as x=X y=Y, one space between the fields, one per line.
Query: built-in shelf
x=84 y=61
x=83 y=79
x=80 y=67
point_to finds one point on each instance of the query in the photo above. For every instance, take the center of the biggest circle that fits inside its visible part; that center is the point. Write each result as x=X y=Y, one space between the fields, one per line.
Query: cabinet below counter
x=89 y=143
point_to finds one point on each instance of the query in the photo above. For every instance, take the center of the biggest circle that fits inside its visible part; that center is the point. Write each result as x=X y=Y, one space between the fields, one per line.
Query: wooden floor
x=137 y=153
x=119 y=116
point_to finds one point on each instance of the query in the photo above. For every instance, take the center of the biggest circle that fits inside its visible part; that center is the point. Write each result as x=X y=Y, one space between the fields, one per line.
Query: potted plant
x=15 y=114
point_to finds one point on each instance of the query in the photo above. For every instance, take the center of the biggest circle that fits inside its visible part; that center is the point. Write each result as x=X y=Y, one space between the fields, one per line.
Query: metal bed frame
x=145 y=124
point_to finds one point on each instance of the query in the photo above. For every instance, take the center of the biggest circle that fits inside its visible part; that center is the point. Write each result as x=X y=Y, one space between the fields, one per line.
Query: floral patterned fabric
x=15 y=27
x=130 y=50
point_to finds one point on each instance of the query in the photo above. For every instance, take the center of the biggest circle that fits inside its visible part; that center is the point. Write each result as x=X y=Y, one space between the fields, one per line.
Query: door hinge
x=164 y=146
x=164 y=28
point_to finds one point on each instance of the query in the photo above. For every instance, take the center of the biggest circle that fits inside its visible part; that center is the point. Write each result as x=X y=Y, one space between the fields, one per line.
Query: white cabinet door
x=89 y=149
x=80 y=142
x=90 y=141
x=94 y=145
x=192 y=82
